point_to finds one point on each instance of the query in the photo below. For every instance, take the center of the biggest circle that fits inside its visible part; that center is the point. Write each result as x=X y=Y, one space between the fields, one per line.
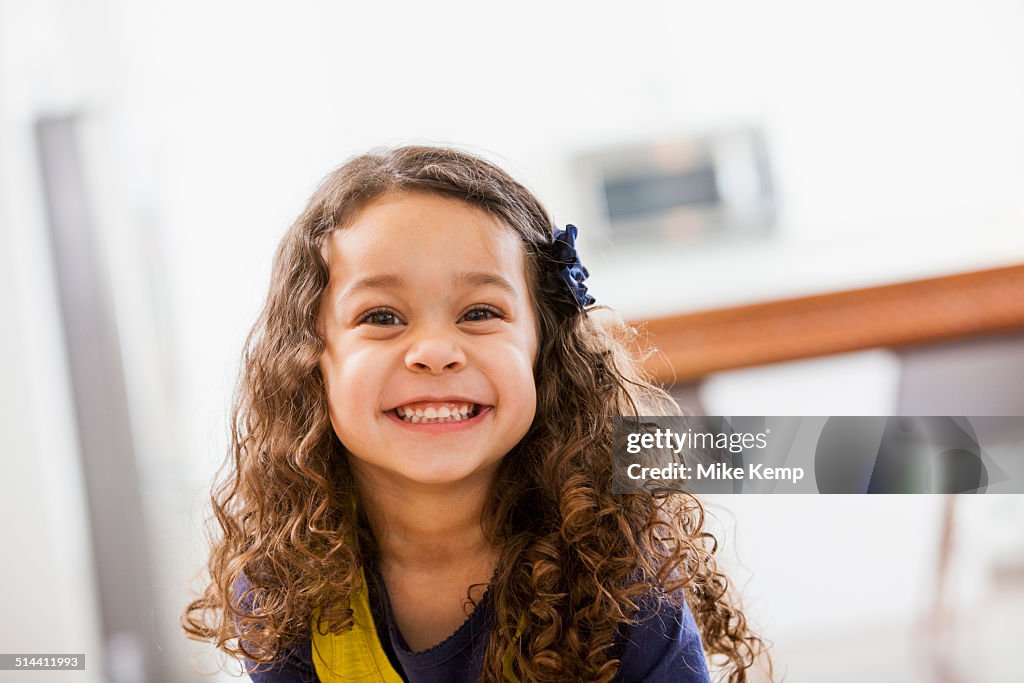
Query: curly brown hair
x=577 y=559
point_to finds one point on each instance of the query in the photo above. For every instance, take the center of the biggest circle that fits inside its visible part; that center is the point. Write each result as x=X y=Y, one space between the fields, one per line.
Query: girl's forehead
x=428 y=237
x=396 y=221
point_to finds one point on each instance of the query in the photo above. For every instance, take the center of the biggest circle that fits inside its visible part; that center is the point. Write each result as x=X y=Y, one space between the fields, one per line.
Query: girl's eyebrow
x=476 y=278
x=480 y=279
x=372 y=282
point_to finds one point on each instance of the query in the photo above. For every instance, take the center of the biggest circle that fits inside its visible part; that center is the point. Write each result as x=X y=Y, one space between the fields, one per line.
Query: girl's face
x=431 y=339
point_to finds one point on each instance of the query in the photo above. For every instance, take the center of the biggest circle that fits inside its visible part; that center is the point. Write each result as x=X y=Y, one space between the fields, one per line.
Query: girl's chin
x=441 y=476
x=423 y=465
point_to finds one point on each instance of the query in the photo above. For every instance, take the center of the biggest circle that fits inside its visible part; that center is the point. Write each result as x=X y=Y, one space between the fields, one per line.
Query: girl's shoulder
x=294 y=664
x=663 y=645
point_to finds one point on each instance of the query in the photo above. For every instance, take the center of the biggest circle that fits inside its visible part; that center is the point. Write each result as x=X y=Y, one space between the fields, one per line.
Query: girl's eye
x=474 y=315
x=380 y=316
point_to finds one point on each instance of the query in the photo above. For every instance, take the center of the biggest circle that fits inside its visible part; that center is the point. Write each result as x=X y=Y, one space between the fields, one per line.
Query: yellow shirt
x=357 y=655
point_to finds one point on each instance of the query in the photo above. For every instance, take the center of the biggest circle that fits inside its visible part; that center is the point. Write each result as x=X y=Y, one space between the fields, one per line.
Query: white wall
x=48 y=604
x=893 y=125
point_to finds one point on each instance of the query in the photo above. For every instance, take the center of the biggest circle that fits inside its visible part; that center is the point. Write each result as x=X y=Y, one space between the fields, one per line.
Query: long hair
x=578 y=560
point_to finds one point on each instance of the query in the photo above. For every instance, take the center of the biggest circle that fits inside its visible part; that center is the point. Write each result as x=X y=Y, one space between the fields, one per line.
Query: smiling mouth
x=450 y=412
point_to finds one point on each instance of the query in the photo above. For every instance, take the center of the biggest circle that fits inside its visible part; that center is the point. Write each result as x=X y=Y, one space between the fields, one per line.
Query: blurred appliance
x=707 y=188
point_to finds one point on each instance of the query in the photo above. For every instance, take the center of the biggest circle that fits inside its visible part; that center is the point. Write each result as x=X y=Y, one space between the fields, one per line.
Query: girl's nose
x=435 y=353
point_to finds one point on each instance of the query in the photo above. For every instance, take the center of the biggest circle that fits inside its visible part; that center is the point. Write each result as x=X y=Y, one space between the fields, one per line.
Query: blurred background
x=715 y=155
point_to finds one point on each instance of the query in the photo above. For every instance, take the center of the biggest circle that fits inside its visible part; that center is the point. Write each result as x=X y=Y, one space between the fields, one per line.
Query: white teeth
x=431 y=414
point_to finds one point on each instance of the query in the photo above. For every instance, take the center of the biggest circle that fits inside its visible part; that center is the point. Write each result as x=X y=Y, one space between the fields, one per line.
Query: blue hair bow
x=570 y=270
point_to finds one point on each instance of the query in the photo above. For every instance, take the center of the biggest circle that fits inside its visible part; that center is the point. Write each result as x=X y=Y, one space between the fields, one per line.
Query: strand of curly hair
x=578 y=560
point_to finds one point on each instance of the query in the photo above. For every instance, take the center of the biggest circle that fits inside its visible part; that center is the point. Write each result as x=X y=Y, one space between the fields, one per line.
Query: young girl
x=419 y=482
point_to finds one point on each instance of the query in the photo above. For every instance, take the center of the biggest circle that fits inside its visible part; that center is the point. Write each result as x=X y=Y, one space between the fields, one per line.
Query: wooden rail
x=911 y=313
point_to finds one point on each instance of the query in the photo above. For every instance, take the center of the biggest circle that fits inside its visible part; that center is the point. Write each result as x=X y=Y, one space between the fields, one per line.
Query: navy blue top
x=665 y=647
